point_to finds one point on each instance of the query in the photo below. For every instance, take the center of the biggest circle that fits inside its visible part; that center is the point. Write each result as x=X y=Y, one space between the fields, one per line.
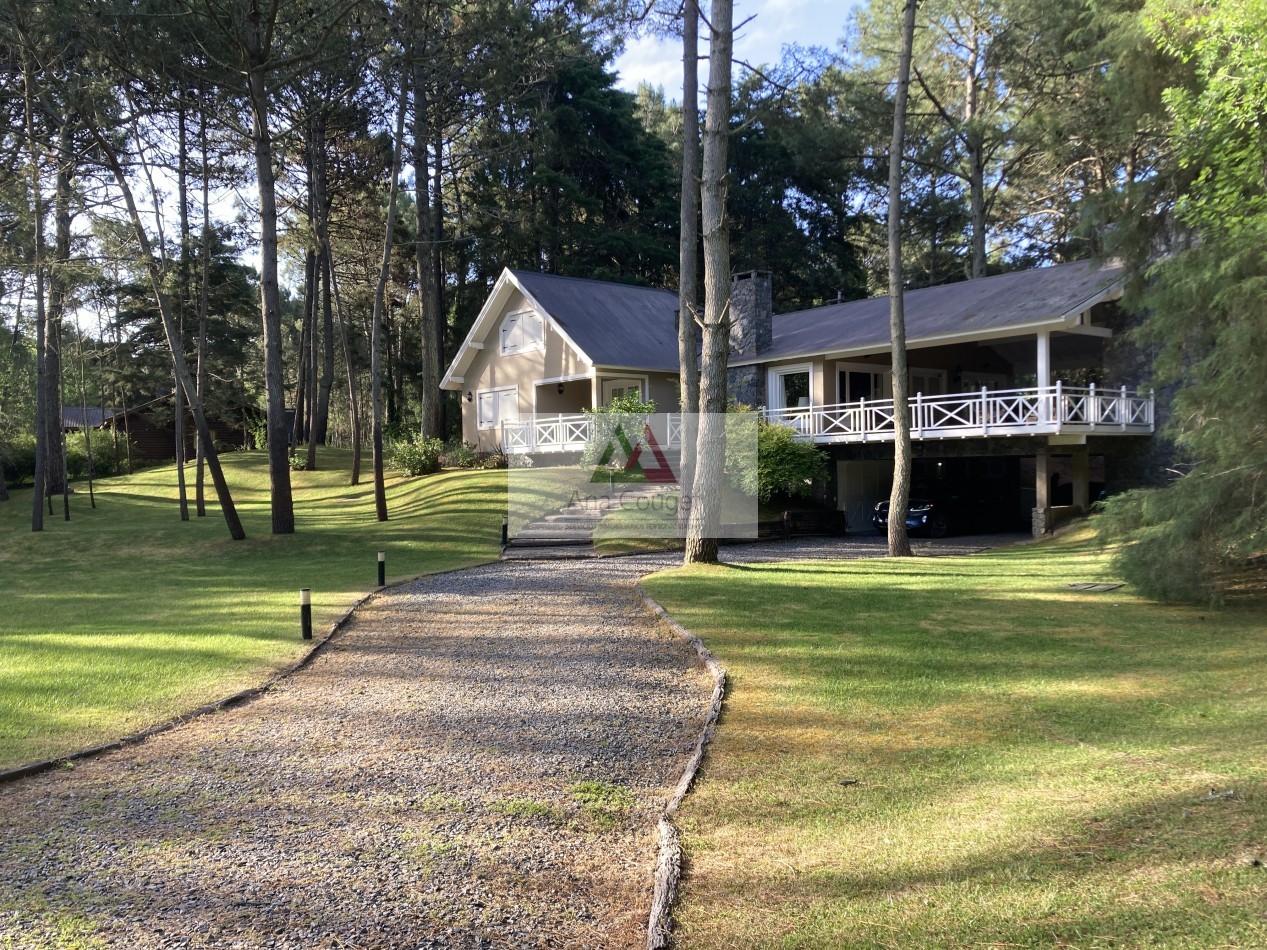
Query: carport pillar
x=1081 y=478
x=1041 y=519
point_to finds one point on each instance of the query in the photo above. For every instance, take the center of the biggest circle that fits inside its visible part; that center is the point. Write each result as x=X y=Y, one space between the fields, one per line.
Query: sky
x=775 y=24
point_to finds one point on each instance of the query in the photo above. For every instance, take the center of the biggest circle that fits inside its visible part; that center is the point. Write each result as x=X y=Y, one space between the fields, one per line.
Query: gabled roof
x=613 y=324
x=1018 y=302
x=617 y=325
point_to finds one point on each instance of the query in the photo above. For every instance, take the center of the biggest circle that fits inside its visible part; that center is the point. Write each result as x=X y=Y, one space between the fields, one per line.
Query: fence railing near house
x=988 y=413
x=1051 y=410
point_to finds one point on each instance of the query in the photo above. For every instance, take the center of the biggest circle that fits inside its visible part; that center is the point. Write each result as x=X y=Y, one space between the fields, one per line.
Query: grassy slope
x=127 y=616
x=1032 y=764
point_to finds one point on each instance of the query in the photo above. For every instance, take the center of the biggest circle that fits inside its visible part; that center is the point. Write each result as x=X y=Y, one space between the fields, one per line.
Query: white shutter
x=487 y=410
x=508 y=406
x=512 y=335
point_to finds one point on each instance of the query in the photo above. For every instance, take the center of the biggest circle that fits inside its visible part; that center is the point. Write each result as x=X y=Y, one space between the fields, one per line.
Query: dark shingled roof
x=73 y=417
x=614 y=324
x=1044 y=294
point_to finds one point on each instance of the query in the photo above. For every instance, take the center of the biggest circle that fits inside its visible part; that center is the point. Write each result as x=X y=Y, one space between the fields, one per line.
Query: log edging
x=669 y=859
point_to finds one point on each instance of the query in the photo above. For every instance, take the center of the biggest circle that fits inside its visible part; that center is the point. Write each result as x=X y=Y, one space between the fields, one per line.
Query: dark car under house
x=939 y=516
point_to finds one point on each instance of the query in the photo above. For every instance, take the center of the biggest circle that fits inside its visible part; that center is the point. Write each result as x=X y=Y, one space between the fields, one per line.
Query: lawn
x=964 y=752
x=125 y=616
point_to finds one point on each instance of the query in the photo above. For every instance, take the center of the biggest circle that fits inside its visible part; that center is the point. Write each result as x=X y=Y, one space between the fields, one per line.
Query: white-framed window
x=790 y=387
x=521 y=332
x=613 y=388
x=496 y=406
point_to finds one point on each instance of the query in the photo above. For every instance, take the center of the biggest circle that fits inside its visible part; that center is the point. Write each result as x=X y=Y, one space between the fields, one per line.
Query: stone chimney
x=751 y=313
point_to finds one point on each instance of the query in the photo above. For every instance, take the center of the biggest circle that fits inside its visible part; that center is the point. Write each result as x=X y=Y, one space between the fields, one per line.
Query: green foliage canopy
x=1206 y=307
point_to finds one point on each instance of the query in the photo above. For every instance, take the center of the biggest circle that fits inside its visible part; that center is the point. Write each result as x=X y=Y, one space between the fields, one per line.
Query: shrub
x=17 y=456
x=785 y=466
x=626 y=413
x=491 y=460
x=459 y=454
x=416 y=456
x=102 y=453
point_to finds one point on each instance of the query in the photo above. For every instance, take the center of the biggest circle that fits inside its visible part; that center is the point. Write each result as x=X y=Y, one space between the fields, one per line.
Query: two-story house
x=1017 y=389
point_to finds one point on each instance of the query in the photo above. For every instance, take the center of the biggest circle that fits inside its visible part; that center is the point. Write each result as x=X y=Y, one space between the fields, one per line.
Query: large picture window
x=521 y=332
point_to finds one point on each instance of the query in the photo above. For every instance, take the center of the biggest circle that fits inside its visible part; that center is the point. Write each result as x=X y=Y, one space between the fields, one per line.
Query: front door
x=855 y=383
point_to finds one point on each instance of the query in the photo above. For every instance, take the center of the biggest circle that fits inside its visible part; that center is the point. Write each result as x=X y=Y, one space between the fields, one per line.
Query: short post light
x=505 y=530
x=382 y=568
x=305 y=612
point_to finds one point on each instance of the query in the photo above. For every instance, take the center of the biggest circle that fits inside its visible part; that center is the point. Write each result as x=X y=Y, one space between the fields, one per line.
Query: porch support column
x=594 y=402
x=1043 y=371
x=1042 y=375
x=1041 y=519
x=1082 y=478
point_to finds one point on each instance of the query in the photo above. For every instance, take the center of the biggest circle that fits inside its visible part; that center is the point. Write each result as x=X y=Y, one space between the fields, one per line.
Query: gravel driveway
x=478 y=760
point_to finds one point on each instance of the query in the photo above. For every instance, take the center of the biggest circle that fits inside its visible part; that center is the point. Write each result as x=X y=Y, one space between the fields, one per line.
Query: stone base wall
x=746 y=385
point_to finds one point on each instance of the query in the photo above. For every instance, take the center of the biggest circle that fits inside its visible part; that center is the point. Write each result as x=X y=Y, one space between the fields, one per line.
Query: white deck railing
x=1052 y=410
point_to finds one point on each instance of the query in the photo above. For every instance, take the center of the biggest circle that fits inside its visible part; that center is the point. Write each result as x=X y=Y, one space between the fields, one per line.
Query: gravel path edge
x=669 y=860
x=242 y=696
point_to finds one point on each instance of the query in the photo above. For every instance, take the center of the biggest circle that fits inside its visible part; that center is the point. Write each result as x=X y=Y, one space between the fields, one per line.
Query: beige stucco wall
x=491 y=370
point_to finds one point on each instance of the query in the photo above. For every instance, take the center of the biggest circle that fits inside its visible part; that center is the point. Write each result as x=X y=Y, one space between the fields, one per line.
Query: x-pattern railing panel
x=1010 y=412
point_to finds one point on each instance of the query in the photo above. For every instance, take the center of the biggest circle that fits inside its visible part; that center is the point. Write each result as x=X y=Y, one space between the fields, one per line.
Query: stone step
x=552 y=553
x=546 y=542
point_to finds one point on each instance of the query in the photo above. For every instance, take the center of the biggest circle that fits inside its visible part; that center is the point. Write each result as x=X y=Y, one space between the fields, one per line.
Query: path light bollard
x=382 y=568
x=787 y=526
x=505 y=530
x=305 y=611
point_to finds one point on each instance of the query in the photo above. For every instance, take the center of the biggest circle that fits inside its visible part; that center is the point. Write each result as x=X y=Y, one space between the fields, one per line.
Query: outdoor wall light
x=469 y=397
x=560 y=389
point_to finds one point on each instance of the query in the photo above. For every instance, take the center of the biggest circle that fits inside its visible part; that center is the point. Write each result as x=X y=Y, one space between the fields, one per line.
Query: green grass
x=125 y=616
x=964 y=753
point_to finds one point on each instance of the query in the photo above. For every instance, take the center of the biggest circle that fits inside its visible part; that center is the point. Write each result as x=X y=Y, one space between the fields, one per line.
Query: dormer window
x=522 y=332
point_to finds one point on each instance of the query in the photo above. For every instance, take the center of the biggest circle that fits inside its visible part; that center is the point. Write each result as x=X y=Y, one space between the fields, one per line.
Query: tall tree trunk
x=178 y=406
x=322 y=422
x=899 y=496
x=183 y=376
x=300 y=429
x=37 y=207
x=710 y=460
x=380 y=295
x=976 y=151
x=204 y=305
x=183 y=283
x=83 y=408
x=258 y=38
x=688 y=261
x=321 y=209
x=425 y=167
x=55 y=467
x=354 y=409
x=437 y=266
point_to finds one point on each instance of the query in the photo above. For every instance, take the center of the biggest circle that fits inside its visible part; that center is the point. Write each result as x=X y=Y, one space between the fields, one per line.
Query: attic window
x=521 y=332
